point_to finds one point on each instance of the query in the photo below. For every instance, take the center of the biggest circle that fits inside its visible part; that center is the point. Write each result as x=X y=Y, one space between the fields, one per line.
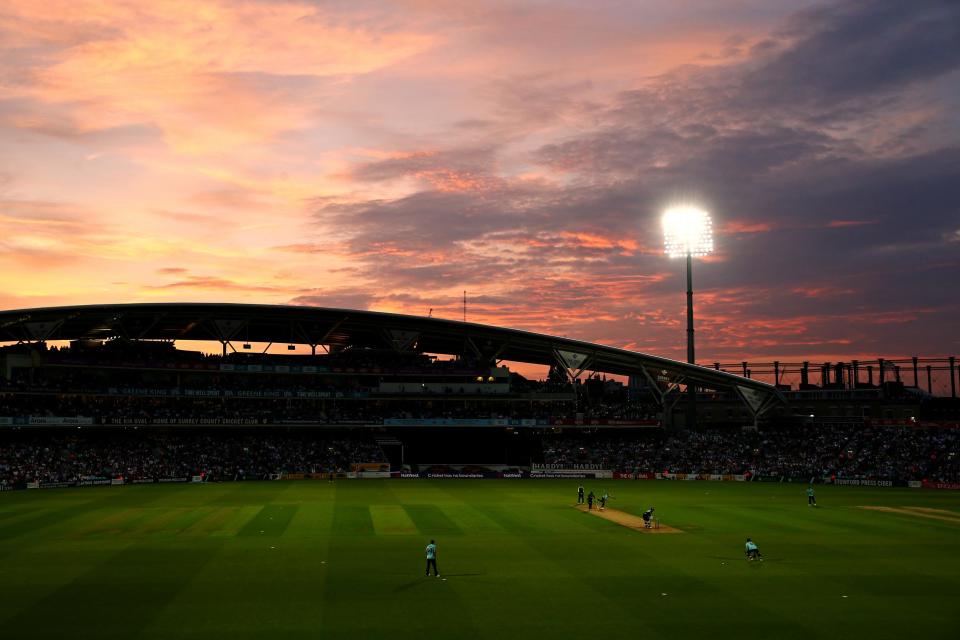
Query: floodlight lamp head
x=687 y=231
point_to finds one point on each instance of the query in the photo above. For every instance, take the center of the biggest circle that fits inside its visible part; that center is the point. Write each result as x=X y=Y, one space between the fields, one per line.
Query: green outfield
x=345 y=560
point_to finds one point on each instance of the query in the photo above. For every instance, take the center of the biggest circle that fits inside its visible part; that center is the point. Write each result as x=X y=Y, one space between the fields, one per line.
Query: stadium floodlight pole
x=688 y=232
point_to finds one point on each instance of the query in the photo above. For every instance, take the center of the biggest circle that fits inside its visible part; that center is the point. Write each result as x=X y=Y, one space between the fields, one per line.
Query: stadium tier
x=100 y=394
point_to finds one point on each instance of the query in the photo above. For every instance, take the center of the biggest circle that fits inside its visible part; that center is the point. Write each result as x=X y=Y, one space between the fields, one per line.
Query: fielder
x=753 y=551
x=432 y=558
x=811 y=498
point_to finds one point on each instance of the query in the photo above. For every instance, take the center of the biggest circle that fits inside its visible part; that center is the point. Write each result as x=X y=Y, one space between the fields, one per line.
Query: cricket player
x=811 y=499
x=580 y=494
x=753 y=551
x=590 y=498
x=648 y=518
x=432 y=558
x=603 y=500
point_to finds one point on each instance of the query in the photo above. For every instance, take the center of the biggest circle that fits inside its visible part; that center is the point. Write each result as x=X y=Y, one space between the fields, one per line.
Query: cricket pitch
x=627 y=520
x=921 y=512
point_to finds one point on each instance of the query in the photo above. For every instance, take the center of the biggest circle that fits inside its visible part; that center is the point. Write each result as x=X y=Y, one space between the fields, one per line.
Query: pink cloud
x=839 y=224
x=743 y=226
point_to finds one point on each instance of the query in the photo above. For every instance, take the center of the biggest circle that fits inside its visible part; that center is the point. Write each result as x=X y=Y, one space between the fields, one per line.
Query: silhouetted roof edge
x=323 y=325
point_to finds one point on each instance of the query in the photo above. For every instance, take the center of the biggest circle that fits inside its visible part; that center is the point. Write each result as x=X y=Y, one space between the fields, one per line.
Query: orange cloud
x=210 y=74
x=822 y=291
x=743 y=226
x=838 y=224
x=597 y=241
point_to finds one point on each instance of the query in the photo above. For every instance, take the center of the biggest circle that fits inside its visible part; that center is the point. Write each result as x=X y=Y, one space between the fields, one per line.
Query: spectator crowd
x=822 y=451
x=48 y=456
x=802 y=452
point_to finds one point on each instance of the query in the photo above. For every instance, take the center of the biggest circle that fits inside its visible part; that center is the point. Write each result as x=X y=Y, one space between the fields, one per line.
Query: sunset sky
x=390 y=155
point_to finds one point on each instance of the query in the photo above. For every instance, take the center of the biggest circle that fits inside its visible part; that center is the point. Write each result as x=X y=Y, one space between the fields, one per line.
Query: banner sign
x=571 y=473
x=370 y=466
x=909 y=422
x=188 y=421
x=230 y=393
x=208 y=393
x=446 y=422
x=459 y=474
x=478 y=475
x=603 y=422
x=929 y=484
x=93 y=481
x=566 y=467
x=59 y=420
x=258 y=368
x=856 y=482
x=716 y=477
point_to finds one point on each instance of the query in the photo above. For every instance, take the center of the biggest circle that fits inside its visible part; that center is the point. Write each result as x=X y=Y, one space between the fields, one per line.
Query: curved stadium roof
x=350 y=327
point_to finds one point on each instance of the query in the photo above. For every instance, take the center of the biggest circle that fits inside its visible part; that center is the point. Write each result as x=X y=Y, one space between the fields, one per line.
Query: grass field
x=315 y=560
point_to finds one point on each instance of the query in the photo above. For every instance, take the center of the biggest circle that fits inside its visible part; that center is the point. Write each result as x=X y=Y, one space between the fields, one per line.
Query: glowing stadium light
x=687 y=231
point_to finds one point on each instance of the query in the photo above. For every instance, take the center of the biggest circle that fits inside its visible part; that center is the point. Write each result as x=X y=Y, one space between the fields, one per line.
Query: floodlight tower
x=688 y=232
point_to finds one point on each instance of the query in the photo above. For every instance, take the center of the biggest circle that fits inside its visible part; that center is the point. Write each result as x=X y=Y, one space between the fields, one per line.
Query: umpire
x=432 y=558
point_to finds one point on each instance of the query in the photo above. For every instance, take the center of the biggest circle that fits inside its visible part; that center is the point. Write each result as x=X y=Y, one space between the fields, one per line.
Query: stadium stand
x=799 y=451
x=56 y=457
x=104 y=406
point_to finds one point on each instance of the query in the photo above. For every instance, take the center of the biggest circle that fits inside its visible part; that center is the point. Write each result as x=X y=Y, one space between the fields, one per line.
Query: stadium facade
x=107 y=394
x=376 y=335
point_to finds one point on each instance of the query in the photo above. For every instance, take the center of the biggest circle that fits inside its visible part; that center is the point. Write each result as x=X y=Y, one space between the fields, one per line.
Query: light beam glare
x=687 y=231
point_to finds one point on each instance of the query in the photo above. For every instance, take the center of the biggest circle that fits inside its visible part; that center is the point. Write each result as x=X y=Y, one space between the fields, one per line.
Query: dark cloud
x=853 y=50
x=792 y=148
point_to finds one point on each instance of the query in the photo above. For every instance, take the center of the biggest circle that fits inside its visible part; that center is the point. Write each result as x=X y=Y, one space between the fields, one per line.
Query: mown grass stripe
x=352 y=520
x=391 y=520
x=12 y=515
x=234 y=523
x=120 y=595
x=431 y=519
x=160 y=521
x=270 y=522
x=185 y=520
x=98 y=520
x=42 y=519
x=469 y=518
x=216 y=518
